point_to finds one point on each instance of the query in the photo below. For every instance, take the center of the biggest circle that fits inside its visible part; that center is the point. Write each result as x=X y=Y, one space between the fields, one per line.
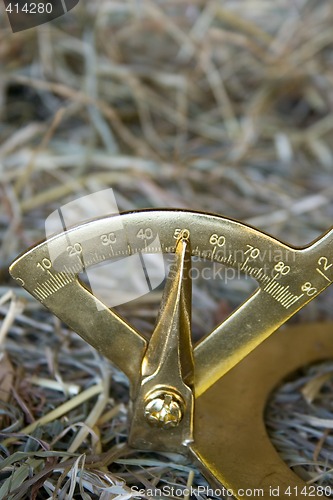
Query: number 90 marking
x=309 y=289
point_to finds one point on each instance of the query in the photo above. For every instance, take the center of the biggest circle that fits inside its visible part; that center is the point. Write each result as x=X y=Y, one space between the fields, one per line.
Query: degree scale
x=204 y=399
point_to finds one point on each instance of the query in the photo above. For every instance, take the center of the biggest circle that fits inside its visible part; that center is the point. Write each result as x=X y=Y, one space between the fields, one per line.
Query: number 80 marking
x=281 y=268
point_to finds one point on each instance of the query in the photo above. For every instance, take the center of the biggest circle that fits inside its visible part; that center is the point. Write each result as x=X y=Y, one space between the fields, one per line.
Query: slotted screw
x=164 y=411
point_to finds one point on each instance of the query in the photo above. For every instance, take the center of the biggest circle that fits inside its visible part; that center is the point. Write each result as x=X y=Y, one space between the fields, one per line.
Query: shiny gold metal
x=167 y=365
x=230 y=437
x=164 y=409
x=166 y=374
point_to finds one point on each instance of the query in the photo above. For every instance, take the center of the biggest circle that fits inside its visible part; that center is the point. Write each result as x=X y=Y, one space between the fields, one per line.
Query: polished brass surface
x=164 y=409
x=212 y=237
x=230 y=437
x=166 y=375
x=167 y=365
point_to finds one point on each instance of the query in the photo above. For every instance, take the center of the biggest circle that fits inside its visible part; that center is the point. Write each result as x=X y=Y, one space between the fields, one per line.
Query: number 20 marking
x=74 y=250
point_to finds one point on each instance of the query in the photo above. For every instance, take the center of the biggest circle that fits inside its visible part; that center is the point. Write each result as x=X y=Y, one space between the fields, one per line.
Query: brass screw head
x=164 y=410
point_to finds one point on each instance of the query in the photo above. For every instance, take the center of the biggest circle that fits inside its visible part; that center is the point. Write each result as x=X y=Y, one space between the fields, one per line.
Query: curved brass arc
x=230 y=437
x=246 y=328
x=73 y=304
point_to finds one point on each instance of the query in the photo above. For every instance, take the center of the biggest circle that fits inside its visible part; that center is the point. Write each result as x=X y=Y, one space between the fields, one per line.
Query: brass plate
x=288 y=278
x=230 y=436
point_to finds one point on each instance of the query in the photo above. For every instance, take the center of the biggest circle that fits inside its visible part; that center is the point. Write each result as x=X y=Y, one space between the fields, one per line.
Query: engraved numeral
x=281 y=268
x=108 y=239
x=178 y=232
x=309 y=289
x=218 y=240
x=323 y=262
x=145 y=233
x=323 y=266
x=74 y=250
x=252 y=251
x=44 y=265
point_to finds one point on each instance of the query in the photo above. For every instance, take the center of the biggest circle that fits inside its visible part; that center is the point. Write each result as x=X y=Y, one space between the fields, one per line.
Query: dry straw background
x=219 y=105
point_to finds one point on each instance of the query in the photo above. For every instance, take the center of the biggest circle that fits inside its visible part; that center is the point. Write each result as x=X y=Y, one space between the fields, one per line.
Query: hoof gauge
x=202 y=400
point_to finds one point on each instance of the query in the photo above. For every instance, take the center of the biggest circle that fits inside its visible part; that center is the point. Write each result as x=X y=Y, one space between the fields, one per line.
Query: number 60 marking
x=217 y=240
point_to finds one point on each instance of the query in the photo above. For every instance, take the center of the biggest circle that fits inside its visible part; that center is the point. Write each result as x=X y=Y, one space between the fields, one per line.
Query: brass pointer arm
x=164 y=402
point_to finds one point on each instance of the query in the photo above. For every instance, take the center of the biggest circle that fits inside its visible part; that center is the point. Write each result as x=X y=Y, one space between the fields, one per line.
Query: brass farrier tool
x=204 y=401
